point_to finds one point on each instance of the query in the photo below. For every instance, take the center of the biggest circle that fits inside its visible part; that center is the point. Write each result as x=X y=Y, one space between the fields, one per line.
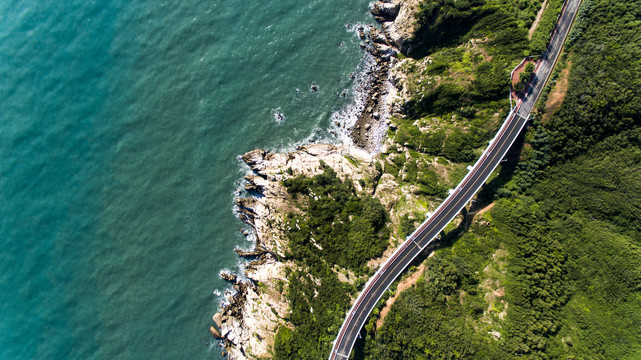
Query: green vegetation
x=573 y=273
x=412 y=169
x=443 y=22
x=524 y=77
x=534 y=160
x=540 y=38
x=428 y=320
x=605 y=81
x=446 y=22
x=465 y=51
x=336 y=227
x=553 y=271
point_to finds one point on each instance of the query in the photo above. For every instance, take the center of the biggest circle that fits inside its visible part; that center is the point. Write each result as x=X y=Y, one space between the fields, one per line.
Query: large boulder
x=254 y=157
x=385 y=12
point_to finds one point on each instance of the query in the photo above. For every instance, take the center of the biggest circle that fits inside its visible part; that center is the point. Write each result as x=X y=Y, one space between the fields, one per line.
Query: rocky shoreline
x=256 y=306
x=397 y=20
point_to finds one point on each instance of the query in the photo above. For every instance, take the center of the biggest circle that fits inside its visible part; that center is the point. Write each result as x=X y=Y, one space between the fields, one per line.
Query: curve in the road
x=462 y=194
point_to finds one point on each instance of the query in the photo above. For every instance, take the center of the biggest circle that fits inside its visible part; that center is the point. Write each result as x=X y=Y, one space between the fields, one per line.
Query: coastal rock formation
x=399 y=23
x=257 y=306
x=385 y=11
x=370 y=126
x=249 y=322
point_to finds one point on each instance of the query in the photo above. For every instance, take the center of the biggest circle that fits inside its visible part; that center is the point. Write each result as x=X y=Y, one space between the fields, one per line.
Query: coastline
x=255 y=306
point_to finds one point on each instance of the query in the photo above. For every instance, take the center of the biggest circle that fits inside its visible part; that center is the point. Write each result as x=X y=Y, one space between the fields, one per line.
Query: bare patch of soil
x=539 y=15
x=441 y=170
x=494 y=289
x=475 y=44
x=557 y=95
x=402 y=286
x=485 y=209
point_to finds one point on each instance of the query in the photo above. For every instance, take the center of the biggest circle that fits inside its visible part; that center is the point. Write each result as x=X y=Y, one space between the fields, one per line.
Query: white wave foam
x=343 y=120
x=341 y=123
x=278 y=116
x=380 y=132
x=226 y=299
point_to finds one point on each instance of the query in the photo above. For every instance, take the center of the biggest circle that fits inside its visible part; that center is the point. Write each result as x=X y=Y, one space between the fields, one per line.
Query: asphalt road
x=463 y=193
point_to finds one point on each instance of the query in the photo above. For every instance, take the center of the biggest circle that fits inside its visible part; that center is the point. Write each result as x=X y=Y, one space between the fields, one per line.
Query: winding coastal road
x=462 y=194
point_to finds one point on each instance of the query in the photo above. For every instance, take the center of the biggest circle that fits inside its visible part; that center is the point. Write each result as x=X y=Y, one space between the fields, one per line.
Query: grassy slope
x=458 y=94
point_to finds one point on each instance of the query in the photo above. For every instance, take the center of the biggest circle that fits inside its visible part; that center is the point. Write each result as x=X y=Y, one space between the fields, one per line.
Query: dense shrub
x=336 y=226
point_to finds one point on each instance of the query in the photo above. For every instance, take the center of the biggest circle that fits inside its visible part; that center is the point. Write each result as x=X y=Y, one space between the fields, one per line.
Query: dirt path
x=557 y=95
x=487 y=208
x=402 y=286
x=539 y=15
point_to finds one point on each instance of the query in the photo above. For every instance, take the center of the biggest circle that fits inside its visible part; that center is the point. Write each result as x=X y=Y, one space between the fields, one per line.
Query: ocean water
x=121 y=124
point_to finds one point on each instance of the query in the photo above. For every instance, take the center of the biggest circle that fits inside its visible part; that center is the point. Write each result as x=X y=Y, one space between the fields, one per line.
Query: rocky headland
x=256 y=306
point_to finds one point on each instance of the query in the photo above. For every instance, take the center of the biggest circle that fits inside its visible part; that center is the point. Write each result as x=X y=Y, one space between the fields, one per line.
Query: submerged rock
x=228 y=276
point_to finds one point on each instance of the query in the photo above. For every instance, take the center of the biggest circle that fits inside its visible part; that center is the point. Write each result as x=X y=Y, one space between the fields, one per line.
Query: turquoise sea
x=121 y=123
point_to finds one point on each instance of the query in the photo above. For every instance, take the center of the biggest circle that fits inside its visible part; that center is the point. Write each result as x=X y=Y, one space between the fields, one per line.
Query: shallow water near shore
x=120 y=131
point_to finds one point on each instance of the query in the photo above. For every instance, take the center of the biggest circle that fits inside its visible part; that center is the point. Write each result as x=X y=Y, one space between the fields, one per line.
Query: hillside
x=543 y=264
x=553 y=270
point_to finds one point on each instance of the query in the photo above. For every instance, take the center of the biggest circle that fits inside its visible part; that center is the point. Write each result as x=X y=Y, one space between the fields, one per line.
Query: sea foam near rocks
x=343 y=120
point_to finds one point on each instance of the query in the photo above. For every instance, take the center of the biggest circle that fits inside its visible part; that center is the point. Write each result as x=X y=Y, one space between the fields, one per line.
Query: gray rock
x=253 y=253
x=227 y=276
x=217 y=320
x=377 y=37
x=254 y=157
x=385 y=12
x=255 y=183
x=386 y=52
